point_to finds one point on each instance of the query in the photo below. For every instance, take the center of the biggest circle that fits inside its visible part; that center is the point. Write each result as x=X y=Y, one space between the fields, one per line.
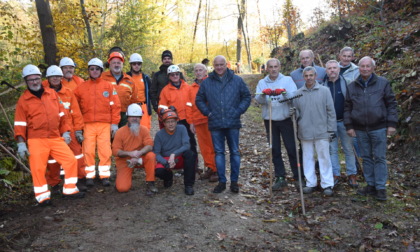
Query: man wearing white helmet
x=72 y=111
x=70 y=80
x=101 y=109
x=132 y=147
x=143 y=82
x=41 y=122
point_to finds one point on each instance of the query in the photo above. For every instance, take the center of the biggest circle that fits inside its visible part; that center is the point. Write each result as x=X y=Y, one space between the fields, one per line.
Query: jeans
x=347 y=143
x=283 y=129
x=232 y=138
x=372 y=146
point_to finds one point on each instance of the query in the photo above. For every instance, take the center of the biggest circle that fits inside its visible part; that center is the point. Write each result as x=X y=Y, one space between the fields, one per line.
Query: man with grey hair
x=338 y=87
x=273 y=88
x=370 y=113
x=306 y=58
x=347 y=68
x=223 y=97
x=316 y=126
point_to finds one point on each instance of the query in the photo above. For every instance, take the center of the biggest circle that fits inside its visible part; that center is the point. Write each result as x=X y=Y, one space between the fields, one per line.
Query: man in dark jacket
x=370 y=113
x=223 y=97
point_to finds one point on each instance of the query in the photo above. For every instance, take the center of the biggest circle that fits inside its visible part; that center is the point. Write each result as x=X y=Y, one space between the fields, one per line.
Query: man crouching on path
x=223 y=97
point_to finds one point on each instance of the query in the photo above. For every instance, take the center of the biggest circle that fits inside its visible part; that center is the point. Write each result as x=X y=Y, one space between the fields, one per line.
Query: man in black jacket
x=370 y=113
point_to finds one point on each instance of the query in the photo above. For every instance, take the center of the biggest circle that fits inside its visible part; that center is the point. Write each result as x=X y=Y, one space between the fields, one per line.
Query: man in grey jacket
x=370 y=113
x=274 y=88
x=316 y=126
x=347 y=68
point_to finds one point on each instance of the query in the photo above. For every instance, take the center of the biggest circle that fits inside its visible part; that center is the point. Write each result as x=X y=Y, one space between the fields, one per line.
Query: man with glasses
x=101 y=109
x=143 y=82
x=41 y=122
x=172 y=149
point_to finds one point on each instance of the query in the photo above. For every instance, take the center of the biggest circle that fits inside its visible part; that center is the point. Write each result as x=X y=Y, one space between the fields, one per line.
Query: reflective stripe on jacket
x=125 y=87
x=177 y=97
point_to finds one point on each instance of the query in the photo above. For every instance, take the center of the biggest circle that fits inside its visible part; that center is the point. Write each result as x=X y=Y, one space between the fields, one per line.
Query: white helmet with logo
x=134 y=110
x=135 y=57
x=29 y=70
x=66 y=61
x=173 y=69
x=96 y=62
x=54 y=71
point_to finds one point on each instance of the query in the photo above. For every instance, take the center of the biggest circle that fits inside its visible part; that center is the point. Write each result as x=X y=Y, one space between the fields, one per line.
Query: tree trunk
x=239 y=41
x=88 y=29
x=339 y=9
x=49 y=40
x=206 y=26
x=195 y=31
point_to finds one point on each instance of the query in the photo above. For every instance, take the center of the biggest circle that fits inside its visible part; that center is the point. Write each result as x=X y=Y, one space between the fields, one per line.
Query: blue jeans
x=232 y=138
x=372 y=146
x=347 y=143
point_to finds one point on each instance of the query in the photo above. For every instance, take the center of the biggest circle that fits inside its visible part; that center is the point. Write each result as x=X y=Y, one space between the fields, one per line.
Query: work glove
x=292 y=111
x=267 y=91
x=22 y=150
x=279 y=91
x=114 y=129
x=79 y=136
x=67 y=138
x=332 y=135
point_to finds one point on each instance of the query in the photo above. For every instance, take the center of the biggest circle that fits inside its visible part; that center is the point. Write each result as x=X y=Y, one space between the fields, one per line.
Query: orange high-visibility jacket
x=141 y=91
x=194 y=116
x=126 y=89
x=98 y=101
x=73 y=83
x=40 y=118
x=177 y=97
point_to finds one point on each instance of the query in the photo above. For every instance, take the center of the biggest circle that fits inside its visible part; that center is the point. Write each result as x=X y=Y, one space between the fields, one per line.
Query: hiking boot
x=56 y=190
x=78 y=195
x=168 y=183
x=81 y=185
x=336 y=180
x=214 y=177
x=328 y=192
x=150 y=186
x=234 y=187
x=45 y=203
x=105 y=182
x=189 y=190
x=280 y=183
x=367 y=190
x=206 y=174
x=381 y=194
x=90 y=182
x=308 y=190
x=352 y=181
x=219 y=188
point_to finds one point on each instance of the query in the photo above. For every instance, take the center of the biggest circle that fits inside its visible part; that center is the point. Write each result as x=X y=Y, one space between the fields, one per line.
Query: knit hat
x=166 y=53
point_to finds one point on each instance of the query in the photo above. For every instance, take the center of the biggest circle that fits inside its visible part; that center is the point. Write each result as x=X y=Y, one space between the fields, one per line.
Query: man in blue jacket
x=223 y=97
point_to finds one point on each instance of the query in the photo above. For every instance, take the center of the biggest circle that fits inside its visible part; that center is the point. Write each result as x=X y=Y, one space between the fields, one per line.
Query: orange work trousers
x=97 y=135
x=53 y=167
x=39 y=150
x=124 y=173
x=146 y=119
x=206 y=145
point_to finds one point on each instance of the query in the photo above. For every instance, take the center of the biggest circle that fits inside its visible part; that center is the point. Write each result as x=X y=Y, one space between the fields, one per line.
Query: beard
x=134 y=128
x=35 y=89
x=68 y=75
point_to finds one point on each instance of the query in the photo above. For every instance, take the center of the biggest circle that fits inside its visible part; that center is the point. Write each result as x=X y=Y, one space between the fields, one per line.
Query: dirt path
x=249 y=221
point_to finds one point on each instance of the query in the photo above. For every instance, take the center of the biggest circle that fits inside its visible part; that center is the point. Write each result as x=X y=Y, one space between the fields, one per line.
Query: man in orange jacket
x=123 y=83
x=41 y=122
x=70 y=80
x=132 y=147
x=72 y=111
x=143 y=82
x=199 y=126
x=175 y=94
x=101 y=109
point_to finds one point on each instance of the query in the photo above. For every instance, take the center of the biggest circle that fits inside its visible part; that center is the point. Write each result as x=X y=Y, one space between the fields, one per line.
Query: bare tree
x=86 y=19
x=206 y=25
x=195 y=31
x=49 y=39
x=243 y=30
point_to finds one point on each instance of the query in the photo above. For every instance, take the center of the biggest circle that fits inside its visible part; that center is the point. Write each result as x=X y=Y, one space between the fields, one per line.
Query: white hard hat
x=134 y=110
x=135 y=57
x=96 y=62
x=54 y=71
x=29 y=70
x=66 y=61
x=173 y=69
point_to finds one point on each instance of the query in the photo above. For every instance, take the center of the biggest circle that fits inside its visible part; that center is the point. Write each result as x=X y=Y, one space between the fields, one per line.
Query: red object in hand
x=279 y=91
x=267 y=91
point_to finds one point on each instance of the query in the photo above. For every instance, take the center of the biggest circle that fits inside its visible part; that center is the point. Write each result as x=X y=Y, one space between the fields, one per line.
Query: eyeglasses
x=33 y=80
x=56 y=77
x=174 y=74
x=94 y=68
x=136 y=63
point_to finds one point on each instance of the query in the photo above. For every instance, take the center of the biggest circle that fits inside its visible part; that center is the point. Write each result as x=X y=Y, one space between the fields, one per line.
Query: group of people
x=65 y=122
x=340 y=102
